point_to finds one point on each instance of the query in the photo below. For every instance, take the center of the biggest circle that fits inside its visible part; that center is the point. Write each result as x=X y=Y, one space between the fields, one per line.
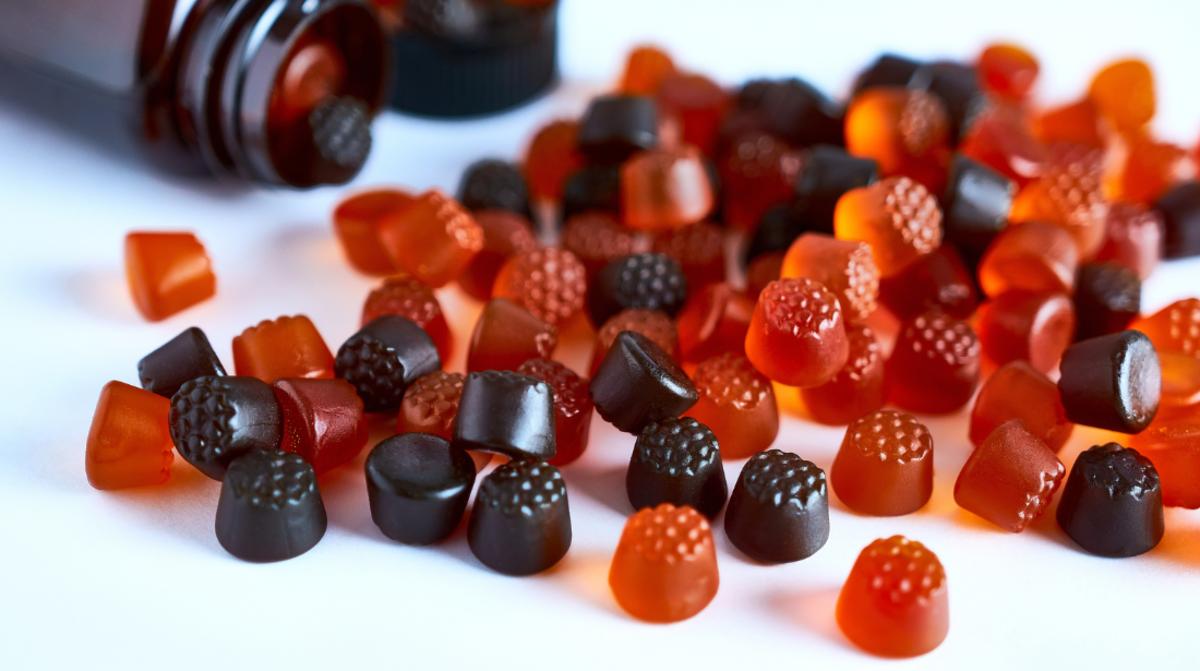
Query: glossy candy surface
x=357 y=220
x=1024 y=326
x=677 y=461
x=506 y=335
x=572 y=407
x=829 y=172
x=185 y=357
x=907 y=131
x=697 y=104
x=664 y=189
x=167 y=272
x=521 y=521
x=738 y=403
x=845 y=267
x=935 y=365
x=406 y=296
x=1173 y=446
x=270 y=509
x=616 y=127
x=975 y=203
x=714 y=320
x=596 y=238
x=646 y=67
x=699 y=249
x=797 y=334
x=448 y=235
x=665 y=565
x=129 y=443
x=855 y=390
x=1010 y=478
x=779 y=511
x=655 y=325
x=1016 y=391
x=1068 y=195
x=430 y=404
x=1123 y=92
x=884 y=465
x=215 y=420
x=504 y=234
x=1175 y=328
x=552 y=155
x=1007 y=71
x=418 y=486
x=383 y=358
x=897 y=217
x=1180 y=209
x=757 y=171
x=321 y=420
x=1112 y=502
x=638 y=383
x=508 y=413
x=939 y=279
x=1112 y=382
x=1133 y=238
x=283 y=347
x=1035 y=257
x=650 y=281
x=1107 y=297
x=548 y=281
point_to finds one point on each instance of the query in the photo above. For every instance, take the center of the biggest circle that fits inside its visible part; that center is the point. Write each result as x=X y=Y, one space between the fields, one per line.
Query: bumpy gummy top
x=865 y=354
x=755 y=156
x=505 y=381
x=923 y=122
x=271 y=479
x=783 y=479
x=698 y=243
x=654 y=325
x=799 y=305
x=571 y=397
x=648 y=280
x=1036 y=501
x=1071 y=185
x=1119 y=471
x=434 y=398
x=940 y=337
x=729 y=379
x=373 y=368
x=597 y=236
x=912 y=212
x=523 y=487
x=548 y=281
x=280 y=323
x=902 y=571
x=200 y=416
x=457 y=223
x=678 y=447
x=890 y=435
x=402 y=295
x=862 y=281
x=1181 y=320
x=494 y=183
x=668 y=534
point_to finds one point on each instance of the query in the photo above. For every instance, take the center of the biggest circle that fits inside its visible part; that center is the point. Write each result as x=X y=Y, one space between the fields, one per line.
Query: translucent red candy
x=1007 y=71
x=845 y=267
x=548 y=282
x=857 y=389
x=1010 y=478
x=1017 y=391
x=906 y=131
x=763 y=270
x=1001 y=138
x=1024 y=326
x=1180 y=382
x=167 y=272
x=757 y=171
x=655 y=325
x=737 y=403
x=645 y=69
x=665 y=565
x=1173 y=445
x=504 y=234
x=935 y=365
x=433 y=239
x=1146 y=168
x=894 y=602
x=938 y=279
x=356 y=221
x=1133 y=238
x=700 y=250
x=572 y=407
x=596 y=238
x=797 y=334
x=430 y=404
x=885 y=464
x=1075 y=123
x=1123 y=92
x=552 y=156
x=665 y=188
x=897 y=217
x=697 y=103
x=714 y=320
x=1033 y=257
x=1175 y=328
x=283 y=347
x=129 y=444
x=1068 y=194
x=322 y=421
x=408 y=297
x=507 y=335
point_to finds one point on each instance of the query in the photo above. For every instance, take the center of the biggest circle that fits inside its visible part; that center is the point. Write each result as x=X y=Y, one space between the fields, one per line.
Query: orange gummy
x=433 y=239
x=1123 y=92
x=1173 y=445
x=1068 y=194
x=504 y=234
x=1017 y=391
x=282 y=347
x=894 y=602
x=713 y=321
x=1075 y=123
x=1175 y=328
x=552 y=155
x=763 y=270
x=897 y=217
x=935 y=365
x=884 y=465
x=845 y=267
x=1002 y=139
x=645 y=69
x=1180 y=381
x=665 y=188
x=906 y=131
x=167 y=272
x=700 y=250
x=1010 y=478
x=697 y=104
x=1024 y=326
x=129 y=444
x=1033 y=257
x=548 y=282
x=1007 y=71
x=1133 y=238
x=356 y=221
x=797 y=334
x=414 y=300
x=757 y=172
x=506 y=335
x=857 y=389
x=738 y=403
x=1146 y=169
x=654 y=325
x=665 y=565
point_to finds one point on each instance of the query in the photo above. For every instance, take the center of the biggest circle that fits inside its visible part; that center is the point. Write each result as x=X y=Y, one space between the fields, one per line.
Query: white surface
x=137 y=579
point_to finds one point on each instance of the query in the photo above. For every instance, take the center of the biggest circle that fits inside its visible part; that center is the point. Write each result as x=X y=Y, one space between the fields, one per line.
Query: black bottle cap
x=461 y=58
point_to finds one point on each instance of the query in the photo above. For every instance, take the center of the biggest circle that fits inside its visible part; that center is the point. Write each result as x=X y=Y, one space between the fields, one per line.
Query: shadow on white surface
x=808 y=609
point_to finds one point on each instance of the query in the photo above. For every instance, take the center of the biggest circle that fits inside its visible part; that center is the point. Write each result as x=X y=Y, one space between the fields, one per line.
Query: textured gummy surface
x=698 y=244
x=651 y=281
x=669 y=534
x=902 y=571
x=923 y=123
x=1037 y=501
x=549 y=282
x=1175 y=327
x=405 y=296
x=494 y=183
x=889 y=435
x=783 y=479
x=201 y=419
x=654 y=325
x=271 y=479
x=522 y=488
x=940 y=337
x=433 y=399
x=912 y=212
x=730 y=379
x=571 y=397
x=597 y=237
x=861 y=281
x=1119 y=471
x=799 y=305
x=341 y=131
x=680 y=447
x=457 y=224
x=373 y=368
x=865 y=354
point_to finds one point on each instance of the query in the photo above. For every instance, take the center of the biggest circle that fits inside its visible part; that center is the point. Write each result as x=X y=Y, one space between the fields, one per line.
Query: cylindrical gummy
x=677 y=461
x=521 y=522
x=638 y=383
x=797 y=334
x=418 y=486
x=1180 y=208
x=493 y=184
x=185 y=357
x=615 y=127
x=383 y=358
x=779 y=511
x=1112 y=382
x=214 y=420
x=269 y=508
x=1017 y=391
x=665 y=565
x=1112 y=502
x=129 y=443
x=321 y=420
x=935 y=365
x=1108 y=296
x=506 y=335
x=1010 y=478
x=1025 y=326
x=885 y=464
x=975 y=204
x=506 y=412
x=572 y=407
x=738 y=403
x=828 y=173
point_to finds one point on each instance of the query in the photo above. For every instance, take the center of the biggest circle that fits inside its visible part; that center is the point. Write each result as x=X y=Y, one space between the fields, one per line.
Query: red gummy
x=899 y=219
x=1016 y=391
x=504 y=234
x=506 y=335
x=322 y=421
x=654 y=325
x=797 y=335
x=412 y=299
x=357 y=220
x=1007 y=71
x=1146 y=168
x=283 y=347
x=1068 y=194
x=645 y=69
x=1075 y=123
x=596 y=238
x=884 y=465
x=714 y=320
x=737 y=403
x=697 y=104
x=1133 y=238
x=433 y=239
x=1024 y=326
x=552 y=156
x=663 y=189
x=129 y=443
x=1173 y=445
x=1175 y=328
x=1180 y=382
x=763 y=270
x=1034 y=257
x=700 y=250
x=938 y=279
x=547 y=281
x=430 y=404
x=935 y=365
x=572 y=407
x=1010 y=478
x=757 y=172
x=1002 y=138
x=845 y=267
x=857 y=389
x=167 y=272
x=665 y=565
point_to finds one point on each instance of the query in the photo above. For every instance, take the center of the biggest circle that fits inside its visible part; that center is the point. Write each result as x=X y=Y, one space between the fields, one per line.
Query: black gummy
x=638 y=383
x=1112 y=502
x=957 y=86
x=647 y=280
x=383 y=358
x=592 y=188
x=615 y=127
x=1180 y=208
x=216 y=419
x=341 y=132
x=886 y=70
x=521 y=522
x=677 y=461
x=270 y=508
x=506 y=412
x=778 y=227
x=418 y=485
x=793 y=110
x=975 y=207
x=1108 y=296
x=828 y=173
x=185 y=357
x=1111 y=382
x=492 y=184
x=779 y=511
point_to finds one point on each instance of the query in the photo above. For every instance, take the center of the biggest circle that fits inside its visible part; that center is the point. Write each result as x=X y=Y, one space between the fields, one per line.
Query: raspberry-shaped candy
x=650 y=281
x=270 y=508
x=411 y=298
x=783 y=479
x=1010 y=478
x=549 y=282
x=1175 y=328
x=493 y=184
x=856 y=389
x=699 y=249
x=655 y=325
x=572 y=407
x=897 y=217
x=779 y=511
x=214 y=420
x=433 y=239
x=1112 y=502
x=431 y=403
x=885 y=464
x=797 y=334
x=935 y=365
x=1068 y=194
x=677 y=461
x=383 y=358
x=595 y=238
x=923 y=124
x=845 y=267
x=665 y=566
x=738 y=402
x=757 y=172
x=521 y=523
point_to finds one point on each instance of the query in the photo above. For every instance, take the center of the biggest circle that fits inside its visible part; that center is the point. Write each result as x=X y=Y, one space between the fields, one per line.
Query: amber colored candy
x=906 y=131
x=1016 y=391
x=1024 y=326
x=897 y=217
x=845 y=267
x=315 y=71
x=714 y=320
x=655 y=325
x=596 y=238
x=1173 y=446
x=700 y=250
x=282 y=347
x=408 y=297
x=1068 y=194
x=645 y=69
x=665 y=565
x=1007 y=71
x=757 y=171
x=857 y=389
x=884 y=465
x=322 y=421
x=1010 y=478
x=797 y=334
x=1033 y=257
x=763 y=270
x=935 y=365
x=938 y=279
x=894 y=602
x=573 y=407
x=1002 y=139
x=1175 y=328
x=506 y=335
x=548 y=282
x=433 y=239
x=665 y=188
x=1123 y=92
x=1133 y=238
x=1180 y=382
x=430 y=404
x=504 y=234
x=1146 y=169
x=356 y=221
x=167 y=272
x=129 y=444
x=551 y=157
x=1075 y=123
x=737 y=403
x=697 y=103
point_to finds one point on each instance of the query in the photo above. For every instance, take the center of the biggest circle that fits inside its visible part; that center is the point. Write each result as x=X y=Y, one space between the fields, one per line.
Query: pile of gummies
x=935 y=240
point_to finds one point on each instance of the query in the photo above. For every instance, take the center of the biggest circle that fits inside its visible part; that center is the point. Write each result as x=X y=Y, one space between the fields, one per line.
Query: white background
x=137 y=579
